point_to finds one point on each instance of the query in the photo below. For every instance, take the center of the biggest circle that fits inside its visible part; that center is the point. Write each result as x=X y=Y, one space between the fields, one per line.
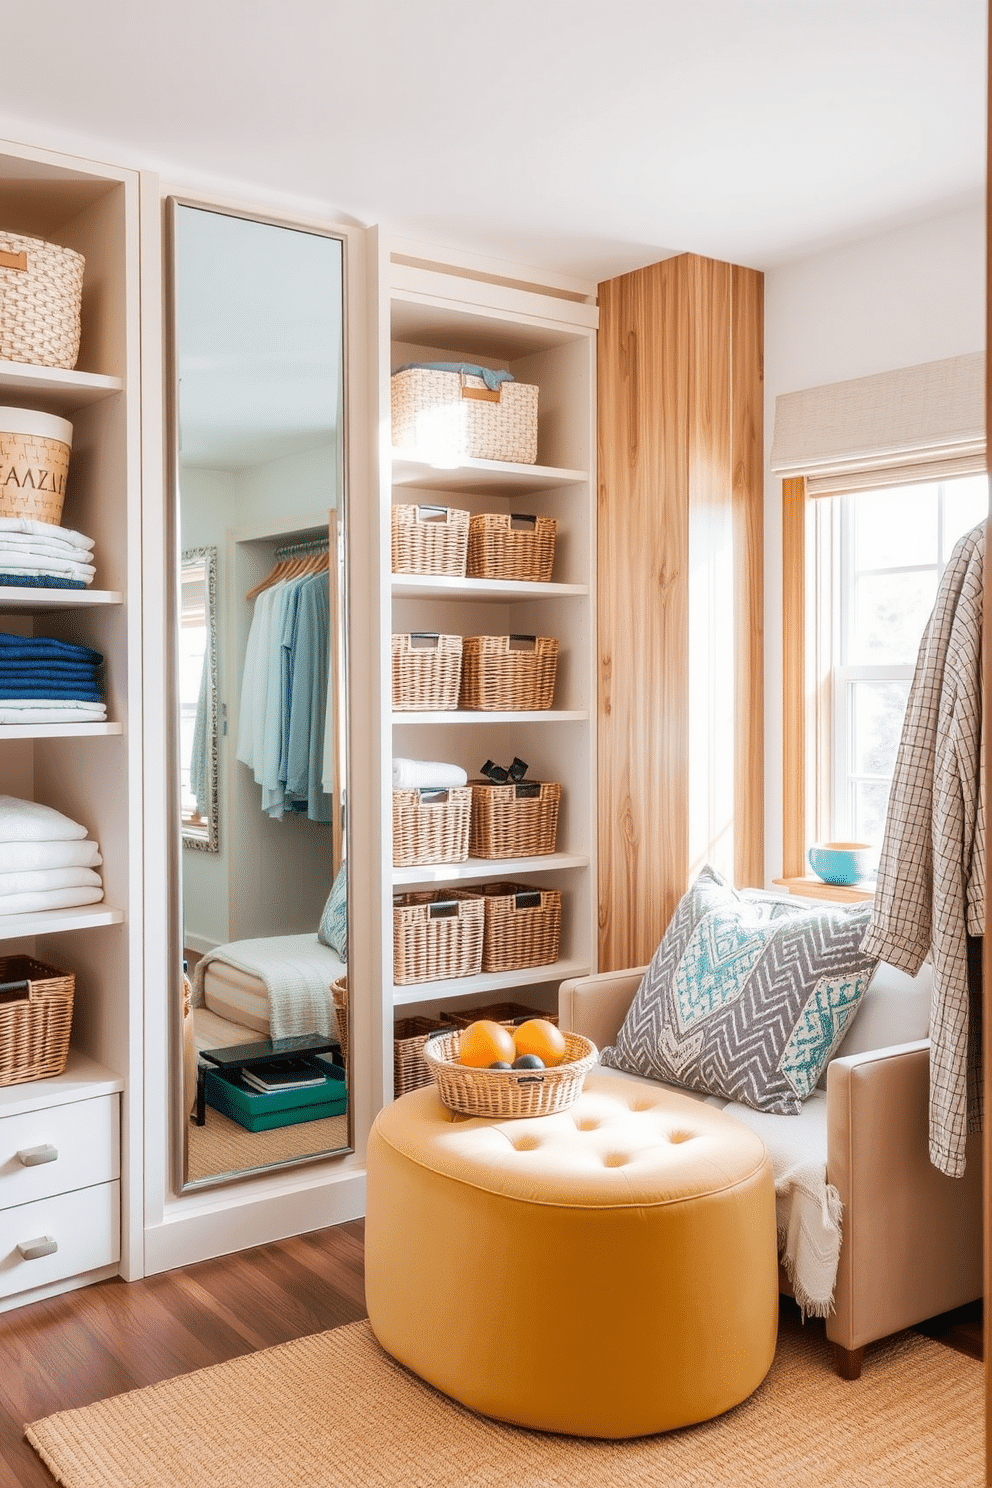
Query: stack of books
x=288 y=1073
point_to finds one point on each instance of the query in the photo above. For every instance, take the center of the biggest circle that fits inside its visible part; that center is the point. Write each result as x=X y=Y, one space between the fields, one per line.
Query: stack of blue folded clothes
x=47 y=681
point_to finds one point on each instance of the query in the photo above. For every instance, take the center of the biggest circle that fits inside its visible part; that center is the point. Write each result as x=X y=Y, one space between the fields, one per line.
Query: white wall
x=904 y=297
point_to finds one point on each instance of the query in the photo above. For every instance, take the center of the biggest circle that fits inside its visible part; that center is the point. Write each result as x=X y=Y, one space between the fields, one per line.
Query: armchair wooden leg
x=848 y=1362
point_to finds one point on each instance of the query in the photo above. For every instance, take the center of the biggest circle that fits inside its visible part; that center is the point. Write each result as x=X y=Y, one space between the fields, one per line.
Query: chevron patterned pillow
x=746 y=998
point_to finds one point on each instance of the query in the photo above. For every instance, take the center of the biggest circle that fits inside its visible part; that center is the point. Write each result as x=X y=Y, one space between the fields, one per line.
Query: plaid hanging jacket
x=931 y=879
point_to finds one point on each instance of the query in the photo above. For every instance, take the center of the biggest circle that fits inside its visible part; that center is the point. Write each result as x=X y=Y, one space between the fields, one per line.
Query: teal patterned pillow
x=333 y=929
x=746 y=998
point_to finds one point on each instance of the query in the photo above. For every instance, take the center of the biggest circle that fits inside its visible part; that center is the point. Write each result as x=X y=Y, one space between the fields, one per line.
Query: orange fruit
x=483 y=1043
x=538 y=1036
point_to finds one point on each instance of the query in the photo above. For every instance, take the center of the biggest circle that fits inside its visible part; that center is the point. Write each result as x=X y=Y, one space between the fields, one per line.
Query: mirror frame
x=177 y=1117
x=208 y=842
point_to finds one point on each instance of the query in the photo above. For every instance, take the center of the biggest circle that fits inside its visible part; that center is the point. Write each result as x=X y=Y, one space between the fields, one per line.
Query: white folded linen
x=52 y=547
x=11 y=904
x=32 y=564
x=29 y=857
x=47 y=531
x=40 y=879
x=408 y=774
x=69 y=710
x=30 y=821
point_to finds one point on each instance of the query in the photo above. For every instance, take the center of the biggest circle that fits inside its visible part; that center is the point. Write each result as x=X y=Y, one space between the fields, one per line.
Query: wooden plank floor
x=117 y=1336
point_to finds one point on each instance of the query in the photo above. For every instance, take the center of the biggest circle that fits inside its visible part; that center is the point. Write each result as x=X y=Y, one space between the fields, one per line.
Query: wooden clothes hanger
x=293 y=562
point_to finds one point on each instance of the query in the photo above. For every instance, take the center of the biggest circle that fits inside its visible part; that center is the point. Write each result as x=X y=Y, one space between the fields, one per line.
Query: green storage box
x=258 y=1112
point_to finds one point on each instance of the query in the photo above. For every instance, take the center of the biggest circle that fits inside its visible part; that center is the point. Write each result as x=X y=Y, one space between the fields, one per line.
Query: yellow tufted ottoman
x=607 y=1271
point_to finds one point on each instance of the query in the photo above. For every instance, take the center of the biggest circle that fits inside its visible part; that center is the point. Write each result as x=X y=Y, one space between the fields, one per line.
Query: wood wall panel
x=680 y=591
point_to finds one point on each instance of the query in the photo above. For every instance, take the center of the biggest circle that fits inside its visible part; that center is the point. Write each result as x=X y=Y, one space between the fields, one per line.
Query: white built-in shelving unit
x=90 y=772
x=442 y=308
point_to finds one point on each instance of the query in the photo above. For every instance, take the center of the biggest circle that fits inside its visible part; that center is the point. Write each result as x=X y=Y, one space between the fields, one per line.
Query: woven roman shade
x=920 y=423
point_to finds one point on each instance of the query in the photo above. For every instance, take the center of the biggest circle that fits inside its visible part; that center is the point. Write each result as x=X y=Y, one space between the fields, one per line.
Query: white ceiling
x=589 y=136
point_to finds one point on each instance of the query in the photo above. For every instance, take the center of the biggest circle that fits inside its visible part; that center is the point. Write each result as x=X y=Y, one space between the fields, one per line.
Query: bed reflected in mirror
x=260 y=778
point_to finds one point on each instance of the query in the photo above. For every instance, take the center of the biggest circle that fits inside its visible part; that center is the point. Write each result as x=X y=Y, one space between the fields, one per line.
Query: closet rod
x=301 y=550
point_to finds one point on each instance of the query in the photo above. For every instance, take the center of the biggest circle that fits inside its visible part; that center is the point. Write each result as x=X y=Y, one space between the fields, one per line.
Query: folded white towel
x=30 y=821
x=29 y=857
x=49 y=530
x=68 y=710
x=408 y=774
x=47 y=547
x=41 y=879
x=31 y=564
x=11 y=904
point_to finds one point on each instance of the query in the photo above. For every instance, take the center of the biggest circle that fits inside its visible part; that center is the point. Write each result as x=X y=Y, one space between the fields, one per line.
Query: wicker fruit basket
x=41 y=288
x=506 y=1093
x=455 y=415
x=523 y=926
x=509 y=673
x=431 y=826
x=426 y=671
x=437 y=934
x=34 y=464
x=502 y=545
x=35 y=1019
x=410 y=1035
x=430 y=540
x=513 y=821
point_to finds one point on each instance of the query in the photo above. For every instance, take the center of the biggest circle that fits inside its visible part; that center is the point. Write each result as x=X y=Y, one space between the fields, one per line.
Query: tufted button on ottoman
x=607 y=1271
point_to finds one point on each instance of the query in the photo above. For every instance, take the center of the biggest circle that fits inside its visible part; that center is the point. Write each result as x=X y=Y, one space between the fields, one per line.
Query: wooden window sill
x=814 y=888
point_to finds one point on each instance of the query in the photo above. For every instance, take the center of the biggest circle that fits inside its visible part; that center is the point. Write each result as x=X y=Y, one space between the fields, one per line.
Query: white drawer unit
x=66 y=1235
x=59 y=1148
x=60 y=1207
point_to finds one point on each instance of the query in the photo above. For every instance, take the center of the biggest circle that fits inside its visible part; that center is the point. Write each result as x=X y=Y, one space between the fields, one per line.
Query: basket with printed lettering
x=452 y=416
x=41 y=290
x=35 y=1019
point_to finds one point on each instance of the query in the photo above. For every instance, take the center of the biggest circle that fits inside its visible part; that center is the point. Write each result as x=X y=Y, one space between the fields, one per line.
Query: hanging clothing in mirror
x=283 y=731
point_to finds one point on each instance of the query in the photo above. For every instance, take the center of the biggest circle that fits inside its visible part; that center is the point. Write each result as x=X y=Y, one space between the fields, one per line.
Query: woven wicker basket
x=437 y=934
x=508 y=673
x=35 y=1019
x=34 y=464
x=410 y=1035
x=455 y=416
x=431 y=826
x=498 y=548
x=513 y=821
x=430 y=540
x=41 y=287
x=426 y=672
x=504 y=1093
x=523 y=926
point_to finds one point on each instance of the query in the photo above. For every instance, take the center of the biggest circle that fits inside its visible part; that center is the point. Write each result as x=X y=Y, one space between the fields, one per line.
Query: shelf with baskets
x=89 y=772
x=523 y=577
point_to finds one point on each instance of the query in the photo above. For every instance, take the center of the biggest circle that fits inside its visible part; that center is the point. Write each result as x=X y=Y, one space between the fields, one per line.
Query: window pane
x=965 y=503
x=877 y=710
x=890 y=616
x=895 y=529
x=871 y=798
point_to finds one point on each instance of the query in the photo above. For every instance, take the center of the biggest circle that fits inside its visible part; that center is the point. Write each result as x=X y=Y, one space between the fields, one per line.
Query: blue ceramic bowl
x=842 y=862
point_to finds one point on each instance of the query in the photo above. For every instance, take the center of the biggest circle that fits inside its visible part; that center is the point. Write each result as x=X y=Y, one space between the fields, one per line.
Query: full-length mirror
x=259 y=760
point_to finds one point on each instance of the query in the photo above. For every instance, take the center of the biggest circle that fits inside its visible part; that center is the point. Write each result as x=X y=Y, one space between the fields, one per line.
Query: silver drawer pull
x=32 y=1156
x=33 y=1250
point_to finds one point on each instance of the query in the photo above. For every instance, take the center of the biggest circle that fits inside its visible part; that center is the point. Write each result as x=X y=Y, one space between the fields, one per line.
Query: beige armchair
x=911 y=1238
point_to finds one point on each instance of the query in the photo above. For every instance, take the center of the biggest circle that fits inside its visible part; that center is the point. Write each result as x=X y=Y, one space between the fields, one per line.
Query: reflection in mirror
x=261 y=692
x=197 y=666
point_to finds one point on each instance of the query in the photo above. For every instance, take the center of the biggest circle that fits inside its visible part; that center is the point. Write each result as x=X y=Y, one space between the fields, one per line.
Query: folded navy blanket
x=81 y=692
x=39 y=581
x=32 y=648
x=43 y=666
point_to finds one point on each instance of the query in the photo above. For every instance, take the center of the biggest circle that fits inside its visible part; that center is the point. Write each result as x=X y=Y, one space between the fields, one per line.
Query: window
x=888 y=549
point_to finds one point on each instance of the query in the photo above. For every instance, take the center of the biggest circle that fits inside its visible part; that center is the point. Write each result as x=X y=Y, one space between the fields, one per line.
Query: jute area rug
x=222 y=1146
x=333 y=1410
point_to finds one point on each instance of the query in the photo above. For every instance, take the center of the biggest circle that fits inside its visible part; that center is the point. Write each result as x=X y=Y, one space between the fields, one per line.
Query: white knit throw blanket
x=297 y=971
x=808 y=1209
